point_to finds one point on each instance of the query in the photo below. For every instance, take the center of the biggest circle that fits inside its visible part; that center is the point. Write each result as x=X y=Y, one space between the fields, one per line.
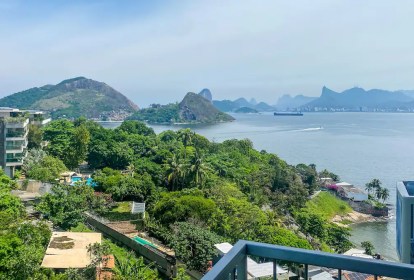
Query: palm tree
x=374 y=186
x=385 y=194
x=176 y=172
x=186 y=136
x=199 y=169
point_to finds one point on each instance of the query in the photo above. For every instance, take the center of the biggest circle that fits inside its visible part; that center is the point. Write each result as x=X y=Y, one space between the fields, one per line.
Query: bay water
x=356 y=146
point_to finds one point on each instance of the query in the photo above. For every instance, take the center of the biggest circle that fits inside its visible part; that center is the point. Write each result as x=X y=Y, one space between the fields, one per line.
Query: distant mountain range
x=73 y=98
x=358 y=99
x=287 y=102
x=232 y=106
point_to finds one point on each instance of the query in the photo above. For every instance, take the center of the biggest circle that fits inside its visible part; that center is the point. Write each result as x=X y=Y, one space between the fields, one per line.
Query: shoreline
x=355 y=217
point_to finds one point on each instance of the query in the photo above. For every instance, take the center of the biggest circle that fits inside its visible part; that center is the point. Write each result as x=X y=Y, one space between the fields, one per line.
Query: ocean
x=356 y=146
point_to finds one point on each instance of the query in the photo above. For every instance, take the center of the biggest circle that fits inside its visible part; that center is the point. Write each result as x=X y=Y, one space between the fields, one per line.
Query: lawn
x=327 y=205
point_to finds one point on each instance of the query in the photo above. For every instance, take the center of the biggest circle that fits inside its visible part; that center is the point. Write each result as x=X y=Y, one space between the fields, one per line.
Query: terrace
x=233 y=265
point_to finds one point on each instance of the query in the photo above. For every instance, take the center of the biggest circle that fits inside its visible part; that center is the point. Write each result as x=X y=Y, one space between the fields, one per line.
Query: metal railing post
x=339 y=274
x=242 y=269
x=274 y=269
x=306 y=272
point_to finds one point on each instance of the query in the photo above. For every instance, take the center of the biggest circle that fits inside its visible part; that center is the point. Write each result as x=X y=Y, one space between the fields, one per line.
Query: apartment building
x=14 y=130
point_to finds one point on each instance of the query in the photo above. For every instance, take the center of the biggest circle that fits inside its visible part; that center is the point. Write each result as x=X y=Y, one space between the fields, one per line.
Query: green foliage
x=368 y=247
x=194 y=245
x=327 y=206
x=65 y=205
x=11 y=209
x=176 y=206
x=134 y=268
x=135 y=127
x=138 y=187
x=158 y=114
x=67 y=142
x=48 y=169
x=282 y=236
x=22 y=243
x=327 y=174
x=34 y=137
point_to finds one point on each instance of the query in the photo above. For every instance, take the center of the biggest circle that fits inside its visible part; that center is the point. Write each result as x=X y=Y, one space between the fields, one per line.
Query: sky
x=157 y=51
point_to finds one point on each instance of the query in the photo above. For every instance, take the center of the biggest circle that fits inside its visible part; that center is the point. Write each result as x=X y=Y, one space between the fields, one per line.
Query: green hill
x=74 y=98
x=192 y=109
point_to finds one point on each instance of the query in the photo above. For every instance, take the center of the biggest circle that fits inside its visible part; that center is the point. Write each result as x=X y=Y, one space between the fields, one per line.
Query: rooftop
x=69 y=249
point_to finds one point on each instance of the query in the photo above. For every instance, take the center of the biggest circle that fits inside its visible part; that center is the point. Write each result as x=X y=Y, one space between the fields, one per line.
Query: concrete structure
x=350 y=192
x=405 y=221
x=70 y=249
x=13 y=136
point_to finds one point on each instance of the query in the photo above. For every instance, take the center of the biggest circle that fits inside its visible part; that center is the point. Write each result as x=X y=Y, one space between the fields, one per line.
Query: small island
x=194 y=109
x=246 y=110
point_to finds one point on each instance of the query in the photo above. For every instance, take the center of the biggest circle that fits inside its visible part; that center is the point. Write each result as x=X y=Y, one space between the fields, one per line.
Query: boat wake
x=310 y=129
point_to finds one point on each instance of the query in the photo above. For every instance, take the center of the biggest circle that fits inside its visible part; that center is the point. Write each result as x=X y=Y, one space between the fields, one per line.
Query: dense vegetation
x=72 y=98
x=197 y=192
x=192 y=109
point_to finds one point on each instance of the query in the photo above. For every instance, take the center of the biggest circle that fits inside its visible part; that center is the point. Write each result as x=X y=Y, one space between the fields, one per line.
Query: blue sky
x=156 y=51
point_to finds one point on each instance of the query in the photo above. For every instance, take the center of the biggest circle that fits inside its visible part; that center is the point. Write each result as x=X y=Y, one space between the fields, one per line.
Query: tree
x=199 y=169
x=34 y=137
x=374 y=186
x=384 y=194
x=338 y=238
x=65 y=205
x=194 y=245
x=175 y=173
x=34 y=157
x=48 y=169
x=368 y=247
x=78 y=146
x=58 y=133
x=132 y=267
x=136 y=127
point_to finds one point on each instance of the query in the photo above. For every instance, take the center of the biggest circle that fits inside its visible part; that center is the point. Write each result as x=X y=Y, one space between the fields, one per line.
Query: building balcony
x=234 y=264
x=17 y=122
x=16 y=135
x=41 y=122
x=14 y=161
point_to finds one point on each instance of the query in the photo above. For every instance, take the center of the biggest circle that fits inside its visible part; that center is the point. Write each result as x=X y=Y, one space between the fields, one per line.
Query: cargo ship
x=288 y=113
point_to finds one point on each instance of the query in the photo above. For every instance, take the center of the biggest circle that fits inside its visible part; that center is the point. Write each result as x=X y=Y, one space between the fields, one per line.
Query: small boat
x=288 y=113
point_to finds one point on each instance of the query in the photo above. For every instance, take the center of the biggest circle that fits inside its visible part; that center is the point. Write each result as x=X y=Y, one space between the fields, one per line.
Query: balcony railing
x=14 y=159
x=15 y=147
x=233 y=265
x=16 y=133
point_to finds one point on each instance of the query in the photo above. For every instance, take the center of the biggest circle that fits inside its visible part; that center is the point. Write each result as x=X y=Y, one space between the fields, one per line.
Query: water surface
x=356 y=146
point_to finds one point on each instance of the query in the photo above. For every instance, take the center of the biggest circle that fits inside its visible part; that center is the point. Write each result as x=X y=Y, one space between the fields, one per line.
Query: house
x=350 y=192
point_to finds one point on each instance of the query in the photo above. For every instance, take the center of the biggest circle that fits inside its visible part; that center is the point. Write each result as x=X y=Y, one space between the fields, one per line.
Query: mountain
x=242 y=102
x=194 y=108
x=287 y=102
x=74 y=98
x=225 y=105
x=245 y=110
x=206 y=93
x=232 y=106
x=357 y=98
